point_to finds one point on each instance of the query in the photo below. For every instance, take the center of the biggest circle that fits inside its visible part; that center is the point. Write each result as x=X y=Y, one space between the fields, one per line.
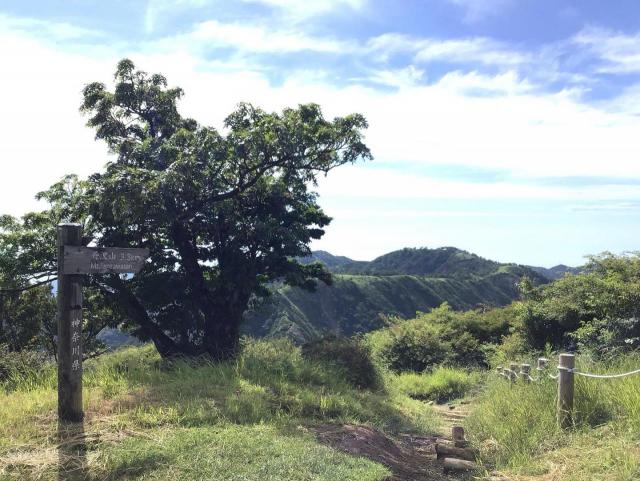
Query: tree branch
x=30 y=286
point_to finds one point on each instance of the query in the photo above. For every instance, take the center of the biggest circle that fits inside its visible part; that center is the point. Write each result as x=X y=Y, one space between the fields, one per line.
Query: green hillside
x=557 y=272
x=396 y=284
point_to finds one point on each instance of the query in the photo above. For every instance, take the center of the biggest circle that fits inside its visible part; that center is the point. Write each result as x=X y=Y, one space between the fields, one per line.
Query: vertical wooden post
x=565 y=390
x=69 y=331
x=542 y=363
x=513 y=368
x=525 y=370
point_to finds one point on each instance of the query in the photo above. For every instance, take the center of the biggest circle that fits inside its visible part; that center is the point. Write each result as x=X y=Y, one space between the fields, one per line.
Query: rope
x=598 y=376
x=505 y=373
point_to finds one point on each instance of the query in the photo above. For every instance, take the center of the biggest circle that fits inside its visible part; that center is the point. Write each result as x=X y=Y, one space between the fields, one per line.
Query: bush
x=16 y=367
x=598 y=309
x=414 y=348
x=350 y=355
x=442 y=336
x=442 y=385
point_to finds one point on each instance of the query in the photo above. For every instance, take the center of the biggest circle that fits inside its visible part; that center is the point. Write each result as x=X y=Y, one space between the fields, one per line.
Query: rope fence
x=565 y=377
x=601 y=376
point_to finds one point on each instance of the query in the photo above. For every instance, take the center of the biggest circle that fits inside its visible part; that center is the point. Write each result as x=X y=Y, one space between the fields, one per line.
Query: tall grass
x=515 y=425
x=147 y=405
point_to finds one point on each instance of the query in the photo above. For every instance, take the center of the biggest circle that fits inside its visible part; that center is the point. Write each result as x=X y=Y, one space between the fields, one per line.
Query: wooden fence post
x=542 y=363
x=69 y=330
x=513 y=367
x=525 y=370
x=565 y=390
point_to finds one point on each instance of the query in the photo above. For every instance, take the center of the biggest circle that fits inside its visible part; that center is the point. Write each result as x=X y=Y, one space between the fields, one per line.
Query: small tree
x=27 y=269
x=222 y=214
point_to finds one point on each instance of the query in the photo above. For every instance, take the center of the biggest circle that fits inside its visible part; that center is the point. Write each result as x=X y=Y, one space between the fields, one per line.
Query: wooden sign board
x=102 y=260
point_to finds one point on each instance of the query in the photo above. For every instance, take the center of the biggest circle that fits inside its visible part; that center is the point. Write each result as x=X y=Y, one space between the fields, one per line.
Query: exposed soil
x=410 y=458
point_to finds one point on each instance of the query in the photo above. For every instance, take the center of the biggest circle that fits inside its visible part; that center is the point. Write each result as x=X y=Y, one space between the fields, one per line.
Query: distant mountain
x=556 y=272
x=395 y=284
x=331 y=261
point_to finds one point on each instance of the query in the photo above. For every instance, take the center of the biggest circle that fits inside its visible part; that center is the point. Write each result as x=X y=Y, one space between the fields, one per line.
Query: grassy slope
x=235 y=420
x=399 y=283
x=355 y=303
x=515 y=427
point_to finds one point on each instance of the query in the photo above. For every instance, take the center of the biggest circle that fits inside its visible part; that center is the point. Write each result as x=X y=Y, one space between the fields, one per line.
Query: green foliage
x=28 y=266
x=597 y=309
x=23 y=317
x=442 y=336
x=222 y=214
x=352 y=355
x=22 y=368
x=441 y=385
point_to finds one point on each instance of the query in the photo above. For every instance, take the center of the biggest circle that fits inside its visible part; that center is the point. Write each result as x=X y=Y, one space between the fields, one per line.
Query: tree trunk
x=222 y=329
x=166 y=346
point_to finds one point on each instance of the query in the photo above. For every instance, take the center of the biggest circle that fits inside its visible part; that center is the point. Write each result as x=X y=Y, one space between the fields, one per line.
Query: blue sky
x=509 y=128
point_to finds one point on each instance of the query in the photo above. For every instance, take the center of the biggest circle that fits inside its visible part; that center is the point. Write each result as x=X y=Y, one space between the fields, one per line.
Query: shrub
x=441 y=385
x=441 y=336
x=597 y=309
x=415 y=347
x=350 y=355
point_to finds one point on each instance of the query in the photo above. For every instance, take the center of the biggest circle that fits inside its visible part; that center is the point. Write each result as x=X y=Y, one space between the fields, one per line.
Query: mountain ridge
x=365 y=294
x=343 y=264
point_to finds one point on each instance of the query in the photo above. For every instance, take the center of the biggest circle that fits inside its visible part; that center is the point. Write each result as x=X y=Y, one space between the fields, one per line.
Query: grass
x=515 y=426
x=246 y=419
x=441 y=385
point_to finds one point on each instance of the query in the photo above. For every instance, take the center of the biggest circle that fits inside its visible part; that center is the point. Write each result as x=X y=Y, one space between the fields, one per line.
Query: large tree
x=222 y=213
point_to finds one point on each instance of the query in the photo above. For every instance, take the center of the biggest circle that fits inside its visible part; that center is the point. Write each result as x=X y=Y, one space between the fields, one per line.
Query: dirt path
x=410 y=458
x=452 y=414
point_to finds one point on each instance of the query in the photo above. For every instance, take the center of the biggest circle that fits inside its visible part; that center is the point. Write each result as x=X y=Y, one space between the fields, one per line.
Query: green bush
x=598 y=309
x=441 y=385
x=350 y=355
x=442 y=336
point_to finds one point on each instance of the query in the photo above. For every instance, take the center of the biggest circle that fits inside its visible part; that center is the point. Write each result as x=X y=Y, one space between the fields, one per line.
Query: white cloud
x=405 y=77
x=376 y=183
x=52 y=31
x=619 y=53
x=43 y=134
x=467 y=119
x=470 y=50
x=302 y=9
x=159 y=9
x=478 y=10
x=248 y=38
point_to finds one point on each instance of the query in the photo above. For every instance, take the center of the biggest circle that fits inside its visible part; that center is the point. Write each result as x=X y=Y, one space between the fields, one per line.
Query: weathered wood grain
x=102 y=260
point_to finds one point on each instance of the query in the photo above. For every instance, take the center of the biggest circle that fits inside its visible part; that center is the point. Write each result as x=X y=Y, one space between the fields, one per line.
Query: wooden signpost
x=75 y=261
